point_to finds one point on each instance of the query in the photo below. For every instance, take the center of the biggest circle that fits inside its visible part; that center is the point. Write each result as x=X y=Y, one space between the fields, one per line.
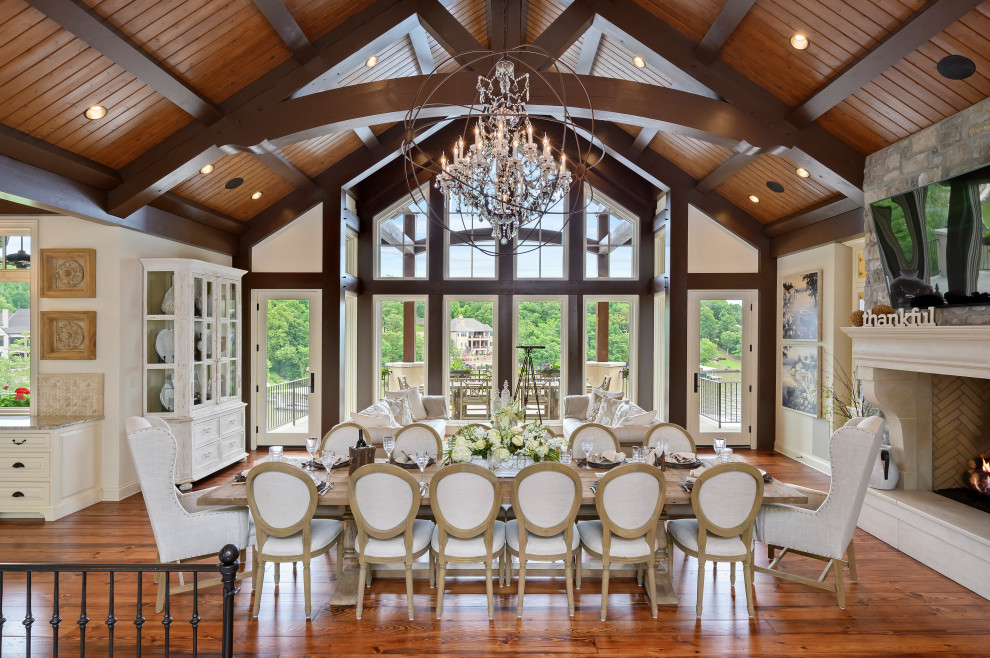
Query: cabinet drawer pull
x=19 y=443
x=207 y=455
x=17 y=494
x=17 y=465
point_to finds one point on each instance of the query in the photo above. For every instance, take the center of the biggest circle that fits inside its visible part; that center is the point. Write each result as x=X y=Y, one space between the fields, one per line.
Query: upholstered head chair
x=678 y=438
x=341 y=437
x=824 y=528
x=604 y=438
x=417 y=436
x=181 y=533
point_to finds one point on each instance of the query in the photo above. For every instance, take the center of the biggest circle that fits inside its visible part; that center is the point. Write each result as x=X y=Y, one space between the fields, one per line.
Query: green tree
x=709 y=351
x=288 y=339
x=709 y=324
x=731 y=341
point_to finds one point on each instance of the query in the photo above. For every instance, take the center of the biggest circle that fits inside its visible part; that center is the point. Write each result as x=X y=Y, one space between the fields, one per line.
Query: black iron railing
x=287 y=402
x=721 y=397
x=227 y=569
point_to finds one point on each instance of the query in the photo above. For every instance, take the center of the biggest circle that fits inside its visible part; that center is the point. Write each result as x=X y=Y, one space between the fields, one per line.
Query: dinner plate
x=167 y=395
x=412 y=465
x=168 y=302
x=604 y=466
x=695 y=464
x=165 y=345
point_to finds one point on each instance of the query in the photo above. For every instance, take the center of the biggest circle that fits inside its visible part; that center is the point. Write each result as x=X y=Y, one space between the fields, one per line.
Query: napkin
x=611 y=456
x=405 y=458
x=682 y=457
x=696 y=472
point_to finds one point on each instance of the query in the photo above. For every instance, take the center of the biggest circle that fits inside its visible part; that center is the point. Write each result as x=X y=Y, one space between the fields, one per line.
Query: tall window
x=471 y=349
x=610 y=240
x=463 y=260
x=401 y=343
x=15 y=319
x=540 y=322
x=543 y=261
x=400 y=239
x=608 y=345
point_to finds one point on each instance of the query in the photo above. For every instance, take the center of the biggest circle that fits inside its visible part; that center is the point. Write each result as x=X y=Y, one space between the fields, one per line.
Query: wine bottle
x=361 y=443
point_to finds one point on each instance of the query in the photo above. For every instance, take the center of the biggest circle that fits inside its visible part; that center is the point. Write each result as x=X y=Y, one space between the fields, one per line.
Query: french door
x=286 y=370
x=721 y=370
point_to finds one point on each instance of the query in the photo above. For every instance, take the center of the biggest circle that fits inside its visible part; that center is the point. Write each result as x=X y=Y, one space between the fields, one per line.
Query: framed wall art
x=800 y=374
x=801 y=311
x=67 y=335
x=68 y=273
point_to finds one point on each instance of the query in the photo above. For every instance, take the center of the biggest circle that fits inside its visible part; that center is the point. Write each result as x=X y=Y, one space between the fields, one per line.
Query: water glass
x=329 y=459
x=275 y=453
x=725 y=456
x=388 y=443
x=494 y=461
x=312 y=446
x=719 y=444
x=565 y=456
x=587 y=445
x=637 y=455
x=422 y=459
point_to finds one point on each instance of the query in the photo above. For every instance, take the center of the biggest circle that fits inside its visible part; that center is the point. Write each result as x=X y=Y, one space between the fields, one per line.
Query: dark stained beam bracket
x=729 y=167
x=900 y=42
x=183 y=207
x=725 y=24
x=287 y=29
x=589 y=51
x=421 y=47
x=839 y=228
x=367 y=136
x=448 y=32
x=268 y=155
x=564 y=31
x=113 y=44
x=644 y=138
x=39 y=153
x=818 y=212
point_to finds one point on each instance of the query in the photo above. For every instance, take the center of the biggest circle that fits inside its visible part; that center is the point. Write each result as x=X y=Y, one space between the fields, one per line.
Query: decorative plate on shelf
x=165 y=345
x=168 y=302
x=167 y=396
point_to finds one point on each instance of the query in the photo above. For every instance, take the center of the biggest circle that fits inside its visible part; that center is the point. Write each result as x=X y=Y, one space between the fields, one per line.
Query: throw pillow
x=377 y=415
x=609 y=407
x=636 y=415
x=415 y=401
x=399 y=406
x=621 y=413
x=595 y=399
x=436 y=406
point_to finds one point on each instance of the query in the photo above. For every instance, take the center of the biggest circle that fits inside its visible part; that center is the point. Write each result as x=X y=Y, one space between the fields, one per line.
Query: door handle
x=695 y=382
x=312 y=382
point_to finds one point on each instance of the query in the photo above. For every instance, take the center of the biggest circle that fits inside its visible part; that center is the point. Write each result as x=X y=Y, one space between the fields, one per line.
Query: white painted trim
x=808 y=459
x=447 y=299
x=115 y=494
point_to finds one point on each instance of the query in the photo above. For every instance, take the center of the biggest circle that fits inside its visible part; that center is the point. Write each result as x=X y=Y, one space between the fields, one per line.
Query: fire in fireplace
x=979 y=474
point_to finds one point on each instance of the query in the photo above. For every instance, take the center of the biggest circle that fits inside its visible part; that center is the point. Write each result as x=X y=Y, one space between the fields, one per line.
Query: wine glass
x=422 y=459
x=329 y=457
x=388 y=443
x=587 y=445
x=719 y=444
x=661 y=448
x=312 y=446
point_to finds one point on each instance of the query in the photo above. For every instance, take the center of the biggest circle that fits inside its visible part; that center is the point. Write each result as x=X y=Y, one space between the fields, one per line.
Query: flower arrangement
x=20 y=398
x=507 y=437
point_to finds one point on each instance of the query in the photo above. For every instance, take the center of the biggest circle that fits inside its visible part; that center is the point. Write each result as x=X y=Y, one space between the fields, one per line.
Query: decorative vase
x=885 y=473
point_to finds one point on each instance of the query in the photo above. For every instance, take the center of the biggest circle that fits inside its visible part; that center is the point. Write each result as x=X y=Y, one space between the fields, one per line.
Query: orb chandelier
x=504 y=168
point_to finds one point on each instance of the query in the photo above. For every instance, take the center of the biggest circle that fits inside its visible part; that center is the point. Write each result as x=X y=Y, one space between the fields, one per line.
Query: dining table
x=334 y=503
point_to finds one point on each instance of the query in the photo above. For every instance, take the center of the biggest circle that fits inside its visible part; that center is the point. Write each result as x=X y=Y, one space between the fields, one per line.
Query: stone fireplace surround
x=897 y=365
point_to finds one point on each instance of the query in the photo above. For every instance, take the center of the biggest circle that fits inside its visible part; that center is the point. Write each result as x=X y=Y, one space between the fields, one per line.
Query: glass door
x=721 y=366
x=287 y=367
x=203 y=388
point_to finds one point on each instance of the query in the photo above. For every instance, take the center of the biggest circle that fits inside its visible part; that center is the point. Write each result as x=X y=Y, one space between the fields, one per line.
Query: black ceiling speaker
x=775 y=186
x=956 y=67
x=233 y=183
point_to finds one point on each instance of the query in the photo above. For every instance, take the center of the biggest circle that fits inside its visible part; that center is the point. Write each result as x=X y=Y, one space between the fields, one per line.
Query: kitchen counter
x=43 y=423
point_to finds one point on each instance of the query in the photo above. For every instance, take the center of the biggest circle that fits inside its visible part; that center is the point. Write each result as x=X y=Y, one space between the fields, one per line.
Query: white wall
x=799 y=435
x=714 y=248
x=297 y=247
x=118 y=305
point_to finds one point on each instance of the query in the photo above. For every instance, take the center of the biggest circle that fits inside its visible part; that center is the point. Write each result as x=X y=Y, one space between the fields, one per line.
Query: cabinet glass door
x=160 y=352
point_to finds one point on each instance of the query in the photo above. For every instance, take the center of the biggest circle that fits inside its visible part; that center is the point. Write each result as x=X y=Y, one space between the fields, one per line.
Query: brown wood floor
x=898 y=606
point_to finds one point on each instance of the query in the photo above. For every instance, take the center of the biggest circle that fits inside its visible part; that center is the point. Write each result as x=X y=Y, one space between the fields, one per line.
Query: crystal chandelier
x=503 y=177
x=503 y=169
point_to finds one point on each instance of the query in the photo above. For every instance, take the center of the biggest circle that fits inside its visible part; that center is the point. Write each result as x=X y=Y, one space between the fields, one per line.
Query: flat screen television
x=935 y=241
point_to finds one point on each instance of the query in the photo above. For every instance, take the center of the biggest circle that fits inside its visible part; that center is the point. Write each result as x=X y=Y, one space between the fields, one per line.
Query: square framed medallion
x=68 y=273
x=68 y=335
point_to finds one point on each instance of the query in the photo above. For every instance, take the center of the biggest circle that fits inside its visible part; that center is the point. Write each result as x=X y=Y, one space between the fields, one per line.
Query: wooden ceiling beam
x=589 y=51
x=725 y=24
x=421 y=47
x=32 y=186
x=818 y=212
x=927 y=22
x=181 y=155
x=367 y=136
x=287 y=29
x=644 y=138
x=268 y=155
x=564 y=32
x=449 y=33
x=506 y=23
x=39 y=153
x=728 y=168
x=839 y=228
x=113 y=44
x=183 y=207
x=839 y=165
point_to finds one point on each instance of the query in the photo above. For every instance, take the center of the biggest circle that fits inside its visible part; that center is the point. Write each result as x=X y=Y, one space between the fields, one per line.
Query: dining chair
x=418 y=436
x=183 y=531
x=385 y=500
x=678 y=438
x=823 y=528
x=341 y=437
x=726 y=499
x=282 y=499
x=605 y=439
x=545 y=497
x=466 y=499
x=629 y=501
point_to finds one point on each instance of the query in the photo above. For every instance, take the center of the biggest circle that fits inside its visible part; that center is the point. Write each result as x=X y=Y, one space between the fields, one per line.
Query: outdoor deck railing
x=25 y=591
x=287 y=403
x=720 y=400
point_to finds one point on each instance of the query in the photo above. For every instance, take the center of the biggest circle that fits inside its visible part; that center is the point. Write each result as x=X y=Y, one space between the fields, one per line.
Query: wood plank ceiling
x=217 y=48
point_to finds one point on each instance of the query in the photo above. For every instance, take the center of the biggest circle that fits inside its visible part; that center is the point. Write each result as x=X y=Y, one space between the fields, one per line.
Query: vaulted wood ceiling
x=194 y=82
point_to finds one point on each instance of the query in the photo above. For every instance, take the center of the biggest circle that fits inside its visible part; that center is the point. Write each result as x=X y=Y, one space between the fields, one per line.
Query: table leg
x=347 y=573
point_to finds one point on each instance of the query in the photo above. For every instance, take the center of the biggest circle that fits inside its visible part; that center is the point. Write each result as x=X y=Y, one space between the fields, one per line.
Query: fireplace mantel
x=961 y=351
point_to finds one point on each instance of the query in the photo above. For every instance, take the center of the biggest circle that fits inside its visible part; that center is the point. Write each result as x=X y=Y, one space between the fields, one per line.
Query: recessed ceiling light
x=95 y=112
x=639 y=62
x=206 y=169
x=371 y=61
x=802 y=172
x=256 y=196
x=799 y=41
x=956 y=67
x=754 y=198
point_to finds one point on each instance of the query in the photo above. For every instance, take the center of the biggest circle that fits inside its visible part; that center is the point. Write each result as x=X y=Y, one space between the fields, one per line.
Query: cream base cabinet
x=47 y=470
x=193 y=359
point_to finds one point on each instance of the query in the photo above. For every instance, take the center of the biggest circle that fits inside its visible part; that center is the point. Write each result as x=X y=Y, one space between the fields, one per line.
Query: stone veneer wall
x=949 y=148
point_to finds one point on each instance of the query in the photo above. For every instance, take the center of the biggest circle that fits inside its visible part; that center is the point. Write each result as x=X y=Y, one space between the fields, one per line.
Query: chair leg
x=433 y=570
x=254 y=566
x=409 y=588
x=840 y=592
x=362 y=574
x=306 y=591
x=732 y=574
x=340 y=557
x=488 y=590
x=441 y=583
x=257 y=590
x=522 y=586
x=769 y=552
x=851 y=559
x=701 y=584
x=651 y=582
x=639 y=575
x=370 y=576
x=748 y=577
x=604 y=586
x=277 y=567
x=569 y=576
x=577 y=562
x=160 y=602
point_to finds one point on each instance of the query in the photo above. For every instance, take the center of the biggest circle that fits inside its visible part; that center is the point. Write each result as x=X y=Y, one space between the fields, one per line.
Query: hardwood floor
x=898 y=606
